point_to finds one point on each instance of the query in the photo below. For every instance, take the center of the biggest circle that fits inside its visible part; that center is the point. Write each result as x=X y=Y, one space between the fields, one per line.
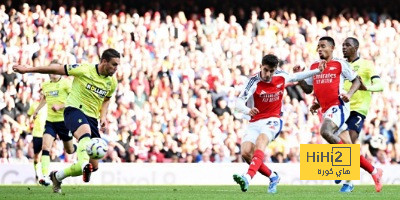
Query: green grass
x=195 y=192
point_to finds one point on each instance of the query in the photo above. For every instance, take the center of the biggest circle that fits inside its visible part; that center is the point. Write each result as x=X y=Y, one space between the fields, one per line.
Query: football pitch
x=310 y=192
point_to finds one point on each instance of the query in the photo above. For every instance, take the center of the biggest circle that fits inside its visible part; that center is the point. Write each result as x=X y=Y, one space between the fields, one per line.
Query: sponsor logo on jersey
x=102 y=93
x=324 y=78
x=270 y=97
x=263 y=93
x=53 y=93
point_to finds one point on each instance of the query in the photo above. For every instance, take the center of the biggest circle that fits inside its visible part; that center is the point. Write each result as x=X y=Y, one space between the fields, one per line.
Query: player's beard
x=267 y=79
x=111 y=72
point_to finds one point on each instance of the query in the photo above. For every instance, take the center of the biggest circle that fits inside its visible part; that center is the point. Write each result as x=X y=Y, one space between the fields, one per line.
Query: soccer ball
x=97 y=148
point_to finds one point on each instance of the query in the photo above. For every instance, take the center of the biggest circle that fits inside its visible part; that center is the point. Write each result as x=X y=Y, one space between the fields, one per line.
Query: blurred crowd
x=180 y=75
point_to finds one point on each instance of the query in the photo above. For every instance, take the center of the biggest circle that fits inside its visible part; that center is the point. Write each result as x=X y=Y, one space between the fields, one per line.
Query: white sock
x=273 y=174
x=60 y=175
x=248 y=177
x=375 y=171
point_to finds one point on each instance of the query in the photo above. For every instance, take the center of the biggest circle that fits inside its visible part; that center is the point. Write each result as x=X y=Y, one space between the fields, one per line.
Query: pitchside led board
x=329 y=162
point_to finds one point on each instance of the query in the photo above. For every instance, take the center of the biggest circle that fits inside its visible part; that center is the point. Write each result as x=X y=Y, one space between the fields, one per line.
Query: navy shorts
x=355 y=122
x=54 y=128
x=74 y=118
x=37 y=144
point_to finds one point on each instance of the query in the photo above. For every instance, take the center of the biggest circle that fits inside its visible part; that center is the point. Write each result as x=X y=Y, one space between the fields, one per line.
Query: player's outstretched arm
x=298 y=76
x=303 y=84
x=301 y=75
x=51 y=69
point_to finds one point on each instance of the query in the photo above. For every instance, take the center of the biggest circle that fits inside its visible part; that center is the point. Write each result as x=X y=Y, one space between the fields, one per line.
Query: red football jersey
x=329 y=84
x=267 y=96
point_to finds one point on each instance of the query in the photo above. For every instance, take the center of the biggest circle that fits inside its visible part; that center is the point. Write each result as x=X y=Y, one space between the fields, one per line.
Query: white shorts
x=338 y=114
x=271 y=127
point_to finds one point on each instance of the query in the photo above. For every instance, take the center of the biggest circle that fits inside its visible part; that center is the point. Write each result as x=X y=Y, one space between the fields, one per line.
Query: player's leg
x=355 y=124
x=85 y=166
x=75 y=121
x=334 y=123
x=258 y=156
x=47 y=143
x=256 y=160
x=83 y=159
x=353 y=136
x=328 y=129
x=345 y=137
x=48 y=139
x=67 y=138
x=94 y=127
x=247 y=151
x=37 y=149
x=375 y=172
x=69 y=146
x=95 y=164
x=82 y=162
x=347 y=186
x=82 y=132
x=269 y=129
x=36 y=165
x=334 y=130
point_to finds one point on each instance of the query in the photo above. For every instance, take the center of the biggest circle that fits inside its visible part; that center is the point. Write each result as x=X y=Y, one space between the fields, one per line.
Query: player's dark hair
x=270 y=60
x=354 y=41
x=110 y=53
x=329 y=39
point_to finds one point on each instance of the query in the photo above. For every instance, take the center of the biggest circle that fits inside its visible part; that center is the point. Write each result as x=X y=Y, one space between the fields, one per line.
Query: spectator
x=221 y=107
x=5 y=158
x=20 y=157
x=159 y=157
